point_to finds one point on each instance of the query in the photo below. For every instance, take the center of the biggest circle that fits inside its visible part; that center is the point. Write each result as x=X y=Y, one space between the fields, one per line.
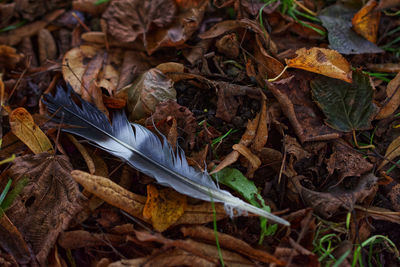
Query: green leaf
x=12 y=195
x=234 y=179
x=337 y=20
x=347 y=107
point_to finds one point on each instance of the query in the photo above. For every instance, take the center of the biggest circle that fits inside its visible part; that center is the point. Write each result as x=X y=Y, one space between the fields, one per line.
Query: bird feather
x=143 y=150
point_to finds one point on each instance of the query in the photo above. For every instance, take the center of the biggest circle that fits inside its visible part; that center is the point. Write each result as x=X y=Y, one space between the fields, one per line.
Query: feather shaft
x=143 y=150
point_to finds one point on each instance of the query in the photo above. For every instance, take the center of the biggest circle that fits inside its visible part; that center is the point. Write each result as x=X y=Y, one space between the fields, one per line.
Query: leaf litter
x=200 y=74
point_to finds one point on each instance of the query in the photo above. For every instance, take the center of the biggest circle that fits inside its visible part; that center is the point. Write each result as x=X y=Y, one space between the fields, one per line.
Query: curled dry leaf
x=47 y=46
x=9 y=58
x=133 y=204
x=184 y=117
x=83 y=239
x=392 y=152
x=243 y=150
x=47 y=203
x=324 y=61
x=164 y=207
x=328 y=204
x=126 y=19
x=187 y=21
x=366 y=21
x=23 y=126
x=392 y=101
x=151 y=88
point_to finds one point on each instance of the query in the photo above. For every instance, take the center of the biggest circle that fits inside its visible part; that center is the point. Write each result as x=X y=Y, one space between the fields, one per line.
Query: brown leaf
x=133 y=204
x=346 y=161
x=394 y=196
x=15 y=36
x=205 y=251
x=184 y=117
x=328 y=204
x=294 y=98
x=83 y=239
x=164 y=207
x=190 y=14
x=47 y=46
x=323 y=61
x=392 y=101
x=47 y=203
x=89 y=6
x=9 y=58
x=23 y=126
x=151 y=88
x=392 y=152
x=243 y=150
x=126 y=19
x=366 y=21
x=231 y=243
x=12 y=241
x=228 y=45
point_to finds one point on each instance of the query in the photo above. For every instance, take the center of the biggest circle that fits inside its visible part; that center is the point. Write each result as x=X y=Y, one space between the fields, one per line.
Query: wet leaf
x=337 y=20
x=23 y=126
x=366 y=21
x=126 y=19
x=164 y=207
x=323 y=61
x=392 y=102
x=151 y=88
x=347 y=106
x=47 y=203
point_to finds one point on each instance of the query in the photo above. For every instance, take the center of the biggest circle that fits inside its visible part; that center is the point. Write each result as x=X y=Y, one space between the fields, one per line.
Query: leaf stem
x=279 y=75
x=357 y=145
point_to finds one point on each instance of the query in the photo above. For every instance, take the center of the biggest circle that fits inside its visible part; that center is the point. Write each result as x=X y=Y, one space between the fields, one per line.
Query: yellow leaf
x=323 y=61
x=366 y=21
x=23 y=126
x=164 y=207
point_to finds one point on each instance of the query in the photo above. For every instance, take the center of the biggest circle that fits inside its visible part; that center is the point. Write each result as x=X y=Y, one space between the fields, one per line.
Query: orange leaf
x=23 y=126
x=366 y=21
x=323 y=61
x=164 y=207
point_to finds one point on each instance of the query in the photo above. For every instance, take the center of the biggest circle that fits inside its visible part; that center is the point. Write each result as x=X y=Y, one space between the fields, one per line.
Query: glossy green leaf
x=234 y=179
x=347 y=107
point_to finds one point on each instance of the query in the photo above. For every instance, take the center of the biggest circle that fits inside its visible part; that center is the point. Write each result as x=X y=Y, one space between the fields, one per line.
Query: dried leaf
x=337 y=20
x=392 y=101
x=231 y=243
x=347 y=106
x=394 y=196
x=83 y=239
x=323 y=61
x=392 y=152
x=243 y=150
x=133 y=204
x=228 y=45
x=23 y=126
x=126 y=20
x=328 y=204
x=151 y=88
x=293 y=96
x=9 y=58
x=47 y=46
x=366 y=21
x=164 y=207
x=190 y=14
x=47 y=203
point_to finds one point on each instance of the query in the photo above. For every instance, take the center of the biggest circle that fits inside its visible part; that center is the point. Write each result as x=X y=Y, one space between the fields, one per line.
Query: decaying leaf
x=347 y=162
x=293 y=96
x=190 y=14
x=392 y=101
x=366 y=21
x=328 y=204
x=164 y=207
x=337 y=20
x=347 y=107
x=184 y=117
x=231 y=243
x=126 y=20
x=323 y=61
x=151 y=88
x=9 y=57
x=392 y=152
x=47 y=203
x=47 y=46
x=23 y=126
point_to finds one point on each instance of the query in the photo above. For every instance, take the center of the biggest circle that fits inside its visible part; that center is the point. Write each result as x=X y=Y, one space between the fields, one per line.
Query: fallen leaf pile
x=292 y=106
